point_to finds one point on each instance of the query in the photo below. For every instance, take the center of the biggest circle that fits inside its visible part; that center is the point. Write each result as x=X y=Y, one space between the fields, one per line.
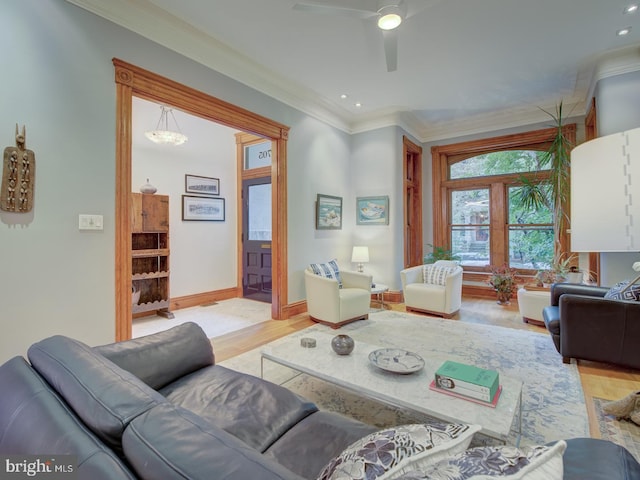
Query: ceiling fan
x=389 y=14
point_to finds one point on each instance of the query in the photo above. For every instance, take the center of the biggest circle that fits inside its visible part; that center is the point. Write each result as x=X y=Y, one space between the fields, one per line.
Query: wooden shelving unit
x=150 y=253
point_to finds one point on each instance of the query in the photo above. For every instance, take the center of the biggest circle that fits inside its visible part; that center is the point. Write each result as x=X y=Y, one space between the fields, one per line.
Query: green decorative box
x=468 y=380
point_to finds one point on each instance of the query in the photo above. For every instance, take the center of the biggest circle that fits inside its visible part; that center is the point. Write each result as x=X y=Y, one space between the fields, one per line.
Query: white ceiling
x=464 y=66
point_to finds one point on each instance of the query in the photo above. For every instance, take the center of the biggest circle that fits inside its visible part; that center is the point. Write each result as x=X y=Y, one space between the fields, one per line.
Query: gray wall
x=59 y=82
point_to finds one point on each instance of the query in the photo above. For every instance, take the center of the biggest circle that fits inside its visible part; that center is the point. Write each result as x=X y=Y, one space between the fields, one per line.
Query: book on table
x=467 y=381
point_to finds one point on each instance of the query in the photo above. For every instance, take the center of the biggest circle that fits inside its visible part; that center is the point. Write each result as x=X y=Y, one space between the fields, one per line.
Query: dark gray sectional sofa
x=158 y=407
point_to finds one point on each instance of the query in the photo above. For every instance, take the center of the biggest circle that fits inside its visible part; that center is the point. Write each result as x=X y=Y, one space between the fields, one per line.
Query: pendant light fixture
x=162 y=134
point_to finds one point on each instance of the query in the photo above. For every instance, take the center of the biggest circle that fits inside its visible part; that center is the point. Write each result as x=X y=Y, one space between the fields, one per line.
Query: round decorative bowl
x=342 y=344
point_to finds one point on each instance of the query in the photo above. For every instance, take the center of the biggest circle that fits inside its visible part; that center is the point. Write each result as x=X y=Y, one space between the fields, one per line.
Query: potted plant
x=439 y=253
x=554 y=193
x=504 y=280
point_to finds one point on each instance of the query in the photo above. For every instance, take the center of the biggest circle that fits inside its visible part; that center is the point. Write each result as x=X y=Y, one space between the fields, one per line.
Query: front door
x=256 y=239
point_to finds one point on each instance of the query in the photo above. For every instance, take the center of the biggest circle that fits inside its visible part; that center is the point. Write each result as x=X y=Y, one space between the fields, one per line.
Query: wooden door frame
x=410 y=148
x=134 y=81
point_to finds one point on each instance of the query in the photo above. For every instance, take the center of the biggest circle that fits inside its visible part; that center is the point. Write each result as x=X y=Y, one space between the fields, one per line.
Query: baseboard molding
x=390 y=297
x=202 y=298
x=296 y=308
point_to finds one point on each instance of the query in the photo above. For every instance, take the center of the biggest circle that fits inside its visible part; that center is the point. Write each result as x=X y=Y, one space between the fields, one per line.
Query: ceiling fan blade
x=330 y=9
x=390 y=38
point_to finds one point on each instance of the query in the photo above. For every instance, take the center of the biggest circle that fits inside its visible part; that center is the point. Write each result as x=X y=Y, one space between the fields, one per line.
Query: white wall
x=203 y=254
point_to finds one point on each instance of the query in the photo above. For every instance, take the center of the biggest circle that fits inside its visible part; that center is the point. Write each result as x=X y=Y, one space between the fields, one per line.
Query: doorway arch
x=134 y=81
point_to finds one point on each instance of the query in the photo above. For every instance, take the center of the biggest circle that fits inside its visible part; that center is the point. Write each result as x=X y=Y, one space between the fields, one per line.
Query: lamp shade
x=605 y=183
x=360 y=255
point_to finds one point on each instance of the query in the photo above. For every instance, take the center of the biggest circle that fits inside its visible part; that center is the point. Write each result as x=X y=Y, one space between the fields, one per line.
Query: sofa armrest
x=599 y=329
x=411 y=275
x=558 y=289
x=356 y=280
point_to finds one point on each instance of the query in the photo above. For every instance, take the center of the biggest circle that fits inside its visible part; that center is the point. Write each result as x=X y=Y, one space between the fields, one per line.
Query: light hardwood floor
x=598 y=380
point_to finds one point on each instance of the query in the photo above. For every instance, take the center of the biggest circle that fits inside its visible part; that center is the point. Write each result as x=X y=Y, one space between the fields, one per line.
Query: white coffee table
x=354 y=372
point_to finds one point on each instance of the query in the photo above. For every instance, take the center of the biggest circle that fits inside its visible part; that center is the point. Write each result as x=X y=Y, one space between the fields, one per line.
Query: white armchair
x=334 y=306
x=440 y=294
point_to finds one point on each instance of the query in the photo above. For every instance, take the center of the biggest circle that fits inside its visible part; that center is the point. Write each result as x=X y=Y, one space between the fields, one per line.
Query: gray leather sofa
x=158 y=407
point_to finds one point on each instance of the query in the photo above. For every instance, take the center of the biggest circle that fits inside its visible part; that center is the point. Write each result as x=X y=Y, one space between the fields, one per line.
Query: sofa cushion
x=169 y=442
x=506 y=462
x=394 y=451
x=103 y=395
x=254 y=410
x=436 y=274
x=163 y=357
x=311 y=443
x=328 y=270
x=34 y=420
x=632 y=294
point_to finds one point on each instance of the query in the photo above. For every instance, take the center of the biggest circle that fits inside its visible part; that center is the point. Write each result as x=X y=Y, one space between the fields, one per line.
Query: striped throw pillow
x=328 y=270
x=435 y=274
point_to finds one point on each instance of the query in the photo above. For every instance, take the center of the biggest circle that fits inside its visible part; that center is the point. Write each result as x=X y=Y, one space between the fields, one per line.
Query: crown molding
x=149 y=21
x=154 y=23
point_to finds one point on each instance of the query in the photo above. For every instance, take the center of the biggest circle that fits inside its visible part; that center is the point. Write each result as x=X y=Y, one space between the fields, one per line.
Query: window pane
x=471 y=245
x=260 y=212
x=496 y=163
x=530 y=247
x=258 y=155
x=531 y=239
x=470 y=226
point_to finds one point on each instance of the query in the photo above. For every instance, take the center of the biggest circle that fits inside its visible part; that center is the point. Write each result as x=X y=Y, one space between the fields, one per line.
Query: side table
x=379 y=289
x=531 y=301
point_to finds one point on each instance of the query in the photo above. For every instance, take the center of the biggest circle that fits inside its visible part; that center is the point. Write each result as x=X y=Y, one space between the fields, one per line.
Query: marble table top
x=411 y=391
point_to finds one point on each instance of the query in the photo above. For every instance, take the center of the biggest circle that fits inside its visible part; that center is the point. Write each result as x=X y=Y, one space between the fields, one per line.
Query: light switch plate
x=90 y=222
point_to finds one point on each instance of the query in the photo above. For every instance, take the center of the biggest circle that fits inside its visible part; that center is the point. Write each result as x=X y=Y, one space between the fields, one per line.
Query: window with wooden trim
x=477 y=209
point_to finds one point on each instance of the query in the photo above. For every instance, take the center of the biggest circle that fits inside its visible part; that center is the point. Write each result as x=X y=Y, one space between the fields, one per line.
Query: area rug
x=553 y=400
x=215 y=319
x=623 y=432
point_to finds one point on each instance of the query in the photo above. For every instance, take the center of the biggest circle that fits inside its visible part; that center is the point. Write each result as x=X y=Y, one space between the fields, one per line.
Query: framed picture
x=372 y=210
x=328 y=212
x=201 y=185
x=202 y=208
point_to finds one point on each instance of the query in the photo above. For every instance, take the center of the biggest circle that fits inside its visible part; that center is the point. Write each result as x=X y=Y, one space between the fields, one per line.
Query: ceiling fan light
x=390 y=17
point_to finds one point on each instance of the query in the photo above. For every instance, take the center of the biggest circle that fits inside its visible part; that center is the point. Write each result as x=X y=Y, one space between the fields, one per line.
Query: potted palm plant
x=554 y=193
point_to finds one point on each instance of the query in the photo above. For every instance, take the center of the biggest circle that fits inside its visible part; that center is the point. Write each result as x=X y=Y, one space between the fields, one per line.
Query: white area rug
x=223 y=317
x=553 y=400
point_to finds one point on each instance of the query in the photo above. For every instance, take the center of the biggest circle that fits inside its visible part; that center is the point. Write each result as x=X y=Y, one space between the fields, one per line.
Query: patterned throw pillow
x=328 y=270
x=436 y=274
x=632 y=294
x=391 y=452
x=530 y=463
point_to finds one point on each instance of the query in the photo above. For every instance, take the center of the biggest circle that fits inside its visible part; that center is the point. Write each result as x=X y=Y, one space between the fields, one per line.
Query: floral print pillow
x=530 y=463
x=389 y=453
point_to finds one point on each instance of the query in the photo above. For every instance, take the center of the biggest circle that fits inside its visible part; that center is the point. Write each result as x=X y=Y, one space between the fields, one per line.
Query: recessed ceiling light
x=343 y=96
x=623 y=31
x=631 y=9
x=358 y=105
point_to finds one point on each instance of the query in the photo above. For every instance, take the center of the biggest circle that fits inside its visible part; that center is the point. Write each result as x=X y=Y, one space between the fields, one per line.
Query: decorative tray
x=396 y=360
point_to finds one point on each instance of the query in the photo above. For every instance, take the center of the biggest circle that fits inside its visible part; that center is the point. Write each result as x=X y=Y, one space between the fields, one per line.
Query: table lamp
x=360 y=255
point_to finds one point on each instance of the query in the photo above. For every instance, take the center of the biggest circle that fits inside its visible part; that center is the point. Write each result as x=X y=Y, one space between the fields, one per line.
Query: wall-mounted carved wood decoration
x=18 y=176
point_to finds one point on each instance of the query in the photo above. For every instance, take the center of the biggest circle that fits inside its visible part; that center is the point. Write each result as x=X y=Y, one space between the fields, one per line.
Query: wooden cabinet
x=150 y=253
